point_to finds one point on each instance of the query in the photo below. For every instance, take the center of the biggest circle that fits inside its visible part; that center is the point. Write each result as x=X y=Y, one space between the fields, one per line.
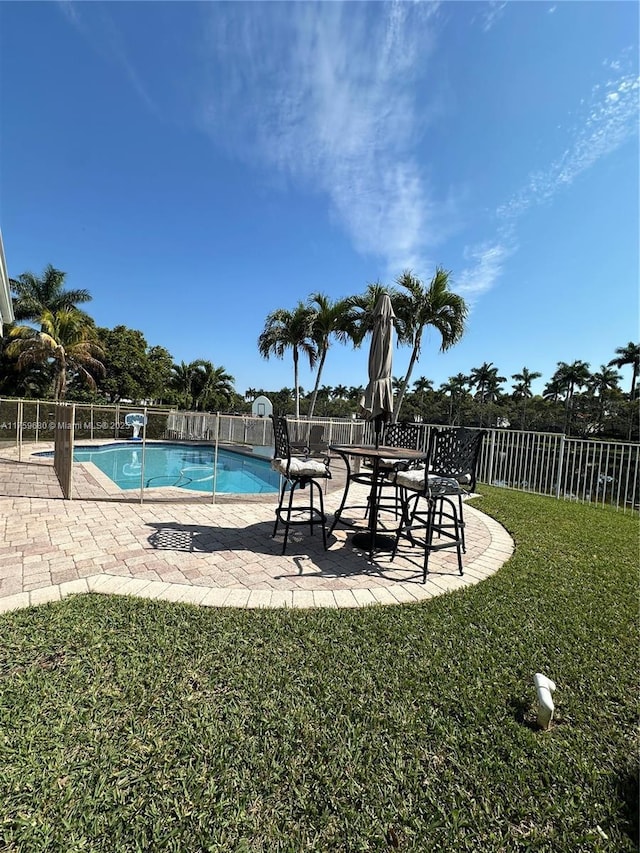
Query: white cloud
x=492 y=14
x=335 y=110
x=485 y=268
x=611 y=118
x=96 y=25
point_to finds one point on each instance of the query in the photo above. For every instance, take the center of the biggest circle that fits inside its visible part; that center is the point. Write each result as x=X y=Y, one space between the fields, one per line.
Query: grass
x=132 y=725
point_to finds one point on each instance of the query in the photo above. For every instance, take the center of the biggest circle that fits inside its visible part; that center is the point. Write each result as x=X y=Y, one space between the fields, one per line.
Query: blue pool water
x=178 y=465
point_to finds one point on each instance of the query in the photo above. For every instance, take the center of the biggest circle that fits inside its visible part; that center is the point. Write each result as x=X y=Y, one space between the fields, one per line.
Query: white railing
x=588 y=470
x=603 y=472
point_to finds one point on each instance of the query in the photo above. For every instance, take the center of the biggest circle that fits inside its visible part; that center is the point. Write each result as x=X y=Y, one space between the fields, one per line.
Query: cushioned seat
x=413 y=478
x=296 y=466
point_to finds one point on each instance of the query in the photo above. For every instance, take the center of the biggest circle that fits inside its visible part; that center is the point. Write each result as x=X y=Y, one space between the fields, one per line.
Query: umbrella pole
x=377 y=426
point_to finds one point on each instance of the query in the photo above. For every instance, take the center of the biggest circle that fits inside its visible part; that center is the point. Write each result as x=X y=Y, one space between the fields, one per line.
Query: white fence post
x=492 y=451
x=19 y=419
x=560 y=466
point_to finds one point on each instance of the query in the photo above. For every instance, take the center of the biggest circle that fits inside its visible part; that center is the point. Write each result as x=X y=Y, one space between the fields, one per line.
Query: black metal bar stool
x=450 y=474
x=298 y=471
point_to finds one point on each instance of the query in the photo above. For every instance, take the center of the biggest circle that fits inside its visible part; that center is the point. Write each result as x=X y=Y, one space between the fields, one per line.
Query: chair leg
x=431 y=512
x=460 y=547
x=283 y=513
x=311 y=485
x=338 y=512
x=458 y=532
x=462 y=525
x=323 y=517
x=286 y=523
x=435 y=521
x=457 y=536
x=404 y=528
x=279 y=508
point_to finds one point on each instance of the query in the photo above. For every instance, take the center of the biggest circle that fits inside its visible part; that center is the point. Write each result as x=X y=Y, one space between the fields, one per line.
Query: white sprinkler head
x=544 y=687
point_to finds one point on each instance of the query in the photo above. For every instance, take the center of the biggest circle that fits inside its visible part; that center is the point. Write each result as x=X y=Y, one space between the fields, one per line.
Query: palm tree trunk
x=568 y=405
x=317 y=385
x=634 y=378
x=405 y=382
x=61 y=381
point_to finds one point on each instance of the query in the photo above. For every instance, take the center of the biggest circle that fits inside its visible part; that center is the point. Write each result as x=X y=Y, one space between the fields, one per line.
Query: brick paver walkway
x=218 y=554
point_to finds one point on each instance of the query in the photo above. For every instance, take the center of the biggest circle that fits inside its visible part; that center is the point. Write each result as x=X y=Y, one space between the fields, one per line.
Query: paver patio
x=209 y=554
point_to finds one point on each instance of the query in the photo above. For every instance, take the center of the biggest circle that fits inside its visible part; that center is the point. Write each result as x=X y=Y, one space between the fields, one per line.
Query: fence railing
x=604 y=472
x=589 y=470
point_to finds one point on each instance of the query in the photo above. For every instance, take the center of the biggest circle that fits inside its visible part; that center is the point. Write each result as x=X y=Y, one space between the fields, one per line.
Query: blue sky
x=197 y=165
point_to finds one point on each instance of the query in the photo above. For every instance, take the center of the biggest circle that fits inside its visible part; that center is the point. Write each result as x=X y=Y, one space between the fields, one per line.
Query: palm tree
x=553 y=390
x=324 y=394
x=486 y=380
x=487 y=383
x=213 y=386
x=34 y=295
x=330 y=319
x=569 y=377
x=182 y=381
x=522 y=389
x=601 y=384
x=420 y=387
x=66 y=342
x=362 y=310
x=524 y=379
x=293 y=330
x=604 y=381
x=435 y=306
x=456 y=388
x=628 y=355
x=340 y=392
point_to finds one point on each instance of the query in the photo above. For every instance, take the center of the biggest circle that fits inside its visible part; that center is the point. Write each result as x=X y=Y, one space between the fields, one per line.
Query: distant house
x=6 y=306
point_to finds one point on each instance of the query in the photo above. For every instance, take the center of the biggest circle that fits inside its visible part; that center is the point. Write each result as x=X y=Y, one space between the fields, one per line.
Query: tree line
x=574 y=401
x=597 y=407
x=54 y=349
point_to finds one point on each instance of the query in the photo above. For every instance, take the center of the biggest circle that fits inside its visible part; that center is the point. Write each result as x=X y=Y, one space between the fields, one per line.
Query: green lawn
x=130 y=725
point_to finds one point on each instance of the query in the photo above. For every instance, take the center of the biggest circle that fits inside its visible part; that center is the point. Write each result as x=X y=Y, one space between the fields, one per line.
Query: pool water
x=181 y=466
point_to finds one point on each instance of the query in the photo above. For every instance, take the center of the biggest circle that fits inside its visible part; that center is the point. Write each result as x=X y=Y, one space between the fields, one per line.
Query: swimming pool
x=181 y=466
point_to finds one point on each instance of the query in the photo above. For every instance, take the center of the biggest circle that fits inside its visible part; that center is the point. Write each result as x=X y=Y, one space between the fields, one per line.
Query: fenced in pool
x=155 y=465
x=588 y=470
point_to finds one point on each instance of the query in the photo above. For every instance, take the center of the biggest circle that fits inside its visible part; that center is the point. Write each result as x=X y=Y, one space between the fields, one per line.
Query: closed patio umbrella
x=377 y=402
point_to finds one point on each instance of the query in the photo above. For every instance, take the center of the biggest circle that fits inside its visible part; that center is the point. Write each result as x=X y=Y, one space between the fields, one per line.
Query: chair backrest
x=454 y=452
x=316 y=435
x=403 y=435
x=282 y=447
